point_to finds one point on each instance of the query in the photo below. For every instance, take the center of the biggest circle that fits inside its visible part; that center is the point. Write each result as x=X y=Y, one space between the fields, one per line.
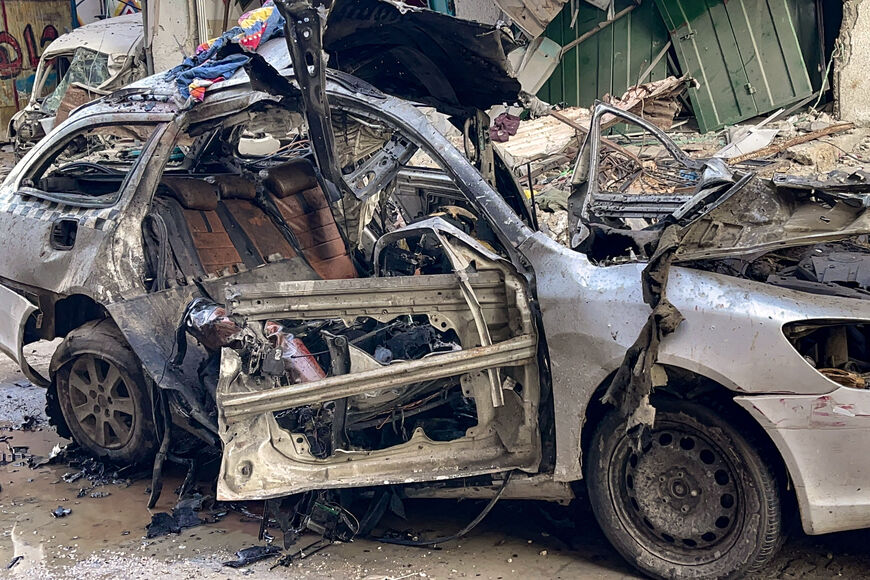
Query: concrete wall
x=176 y=33
x=852 y=67
x=485 y=11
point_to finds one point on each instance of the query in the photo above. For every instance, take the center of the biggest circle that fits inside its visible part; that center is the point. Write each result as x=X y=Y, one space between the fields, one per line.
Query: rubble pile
x=544 y=149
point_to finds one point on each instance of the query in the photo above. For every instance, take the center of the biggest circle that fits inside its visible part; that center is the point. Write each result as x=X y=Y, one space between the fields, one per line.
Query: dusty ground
x=104 y=537
x=7 y=160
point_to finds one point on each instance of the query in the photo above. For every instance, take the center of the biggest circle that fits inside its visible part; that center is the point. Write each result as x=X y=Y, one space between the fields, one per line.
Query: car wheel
x=696 y=500
x=102 y=394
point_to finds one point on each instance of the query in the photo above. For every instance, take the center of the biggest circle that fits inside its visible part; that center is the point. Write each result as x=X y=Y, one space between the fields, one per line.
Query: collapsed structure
x=301 y=274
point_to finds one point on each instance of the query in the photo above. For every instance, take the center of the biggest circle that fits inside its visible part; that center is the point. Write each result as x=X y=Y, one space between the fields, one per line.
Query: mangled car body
x=337 y=297
x=77 y=67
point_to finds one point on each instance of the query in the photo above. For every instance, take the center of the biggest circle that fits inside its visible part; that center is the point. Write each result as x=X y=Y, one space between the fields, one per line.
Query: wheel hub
x=679 y=490
x=101 y=402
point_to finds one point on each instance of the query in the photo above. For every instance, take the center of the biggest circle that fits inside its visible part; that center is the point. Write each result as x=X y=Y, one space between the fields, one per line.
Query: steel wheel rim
x=678 y=494
x=101 y=402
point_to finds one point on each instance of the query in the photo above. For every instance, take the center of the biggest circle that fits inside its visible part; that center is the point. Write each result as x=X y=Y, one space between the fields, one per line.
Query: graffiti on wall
x=15 y=55
x=26 y=28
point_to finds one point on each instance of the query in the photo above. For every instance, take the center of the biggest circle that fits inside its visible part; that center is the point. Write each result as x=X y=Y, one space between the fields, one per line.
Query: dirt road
x=103 y=536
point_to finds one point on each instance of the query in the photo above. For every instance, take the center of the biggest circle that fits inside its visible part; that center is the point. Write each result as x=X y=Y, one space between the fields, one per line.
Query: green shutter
x=609 y=62
x=744 y=54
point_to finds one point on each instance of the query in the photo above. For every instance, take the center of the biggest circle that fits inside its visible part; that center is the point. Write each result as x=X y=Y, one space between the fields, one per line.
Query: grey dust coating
x=695 y=358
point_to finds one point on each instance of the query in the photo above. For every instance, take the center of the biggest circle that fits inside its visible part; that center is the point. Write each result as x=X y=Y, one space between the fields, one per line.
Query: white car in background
x=75 y=68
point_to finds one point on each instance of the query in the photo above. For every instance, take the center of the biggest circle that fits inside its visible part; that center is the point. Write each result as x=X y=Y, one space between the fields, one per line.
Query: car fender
x=16 y=311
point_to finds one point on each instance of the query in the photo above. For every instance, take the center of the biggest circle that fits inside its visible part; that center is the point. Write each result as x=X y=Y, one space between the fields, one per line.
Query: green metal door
x=609 y=62
x=744 y=54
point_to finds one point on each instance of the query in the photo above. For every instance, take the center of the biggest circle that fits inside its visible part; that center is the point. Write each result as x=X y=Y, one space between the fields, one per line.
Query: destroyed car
x=303 y=273
x=76 y=67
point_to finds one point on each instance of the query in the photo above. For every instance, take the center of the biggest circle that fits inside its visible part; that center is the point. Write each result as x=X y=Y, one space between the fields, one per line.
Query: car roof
x=158 y=96
x=120 y=35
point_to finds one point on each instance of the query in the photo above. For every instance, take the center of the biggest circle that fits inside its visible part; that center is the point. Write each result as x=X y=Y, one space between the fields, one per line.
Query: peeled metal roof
x=118 y=35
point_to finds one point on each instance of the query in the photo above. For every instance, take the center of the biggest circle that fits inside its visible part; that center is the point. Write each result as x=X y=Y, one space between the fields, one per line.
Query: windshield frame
x=66 y=81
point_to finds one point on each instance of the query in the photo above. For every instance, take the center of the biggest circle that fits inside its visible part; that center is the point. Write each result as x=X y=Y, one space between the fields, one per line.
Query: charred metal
x=301 y=276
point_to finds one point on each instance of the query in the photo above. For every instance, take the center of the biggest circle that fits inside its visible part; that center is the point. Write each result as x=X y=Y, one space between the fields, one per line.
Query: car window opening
x=249 y=197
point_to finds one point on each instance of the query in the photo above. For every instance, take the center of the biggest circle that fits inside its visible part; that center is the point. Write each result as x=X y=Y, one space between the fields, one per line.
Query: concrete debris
x=744 y=142
x=554 y=225
x=822 y=157
x=61 y=512
x=657 y=102
x=544 y=138
x=248 y=556
x=779 y=148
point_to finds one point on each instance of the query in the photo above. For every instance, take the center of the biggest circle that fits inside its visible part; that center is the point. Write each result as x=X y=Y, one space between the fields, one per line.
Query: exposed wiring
x=460 y=533
x=825 y=87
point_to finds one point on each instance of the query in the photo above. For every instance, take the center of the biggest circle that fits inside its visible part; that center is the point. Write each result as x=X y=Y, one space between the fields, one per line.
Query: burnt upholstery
x=268 y=241
x=193 y=194
x=199 y=201
x=259 y=240
x=291 y=178
x=235 y=187
x=305 y=209
x=227 y=228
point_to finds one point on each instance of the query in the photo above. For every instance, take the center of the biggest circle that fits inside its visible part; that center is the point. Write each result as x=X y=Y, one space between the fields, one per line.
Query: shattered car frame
x=683 y=367
x=79 y=66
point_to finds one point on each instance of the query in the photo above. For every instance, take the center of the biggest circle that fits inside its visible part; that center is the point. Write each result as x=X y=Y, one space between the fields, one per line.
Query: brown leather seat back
x=258 y=235
x=199 y=201
x=306 y=211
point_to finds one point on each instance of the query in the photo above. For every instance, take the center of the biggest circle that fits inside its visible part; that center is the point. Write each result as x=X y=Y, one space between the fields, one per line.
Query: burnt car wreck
x=301 y=275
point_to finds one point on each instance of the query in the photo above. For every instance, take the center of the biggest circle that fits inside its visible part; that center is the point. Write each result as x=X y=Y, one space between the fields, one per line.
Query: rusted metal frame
x=513 y=352
x=411 y=179
x=460 y=268
x=511 y=229
x=604 y=141
x=339 y=352
x=380 y=169
x=315 y=300
x=483 y=144
x=627 y=205
x=592 y=149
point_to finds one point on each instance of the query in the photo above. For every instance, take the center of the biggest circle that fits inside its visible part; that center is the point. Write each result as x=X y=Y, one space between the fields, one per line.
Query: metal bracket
x=380 y=169
x=339 y=352
x=303 y=29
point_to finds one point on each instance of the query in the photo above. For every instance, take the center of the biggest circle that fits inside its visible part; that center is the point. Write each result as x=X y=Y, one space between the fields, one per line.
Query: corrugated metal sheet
x=744 y=53
x=609 y=62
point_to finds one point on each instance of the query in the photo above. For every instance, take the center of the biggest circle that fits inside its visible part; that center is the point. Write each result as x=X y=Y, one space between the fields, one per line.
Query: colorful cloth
x=220 y=58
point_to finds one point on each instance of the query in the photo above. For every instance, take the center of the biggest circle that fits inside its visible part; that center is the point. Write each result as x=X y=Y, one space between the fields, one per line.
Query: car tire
x=697 y=499
x=101 y=393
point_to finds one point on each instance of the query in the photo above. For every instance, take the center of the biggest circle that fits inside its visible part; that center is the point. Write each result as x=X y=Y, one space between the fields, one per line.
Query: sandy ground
x=104 y=537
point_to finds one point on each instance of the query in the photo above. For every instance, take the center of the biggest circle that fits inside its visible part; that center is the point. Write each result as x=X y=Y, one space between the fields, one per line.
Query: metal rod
x=513 y=352
x=598 y=28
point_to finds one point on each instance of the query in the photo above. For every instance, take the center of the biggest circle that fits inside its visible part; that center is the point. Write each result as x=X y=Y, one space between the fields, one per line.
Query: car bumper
x=823 y=440
x=15 y=310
